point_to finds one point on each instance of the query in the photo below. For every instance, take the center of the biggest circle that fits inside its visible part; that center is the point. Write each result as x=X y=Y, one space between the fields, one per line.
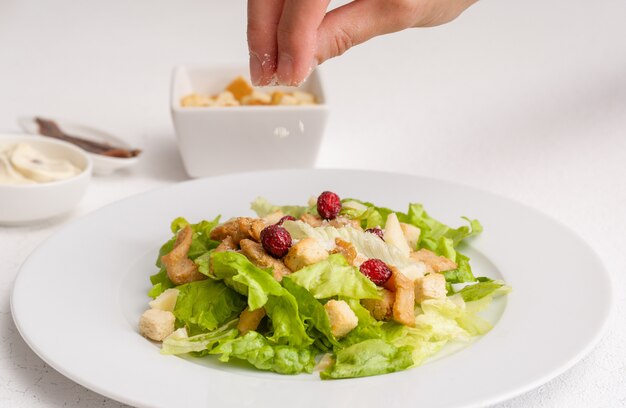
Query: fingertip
x=262 y=69
x=256 y=70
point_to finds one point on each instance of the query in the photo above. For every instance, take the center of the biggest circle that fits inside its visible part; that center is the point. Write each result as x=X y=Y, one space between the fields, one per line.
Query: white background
x=523 y=98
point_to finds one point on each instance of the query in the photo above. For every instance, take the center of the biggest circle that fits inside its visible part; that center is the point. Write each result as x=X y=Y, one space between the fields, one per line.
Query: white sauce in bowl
x=23 y=164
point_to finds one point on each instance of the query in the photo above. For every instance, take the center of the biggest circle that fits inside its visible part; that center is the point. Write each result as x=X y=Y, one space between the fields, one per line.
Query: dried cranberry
x=376 y=231
x=376 y=270
x=276 y=240
x=286 y=218
x=328 y=205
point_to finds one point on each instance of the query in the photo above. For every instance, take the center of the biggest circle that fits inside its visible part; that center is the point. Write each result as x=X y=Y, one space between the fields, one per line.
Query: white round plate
x=102 y=165
x=78 y=297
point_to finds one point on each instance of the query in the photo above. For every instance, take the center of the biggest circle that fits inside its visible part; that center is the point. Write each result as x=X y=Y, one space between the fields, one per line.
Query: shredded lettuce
x=369 y=357
x=263 y=291
x=264 y=355
x=335 y=277
x=179 y=343
x=263 y=208
x=207 y=304
x=481 y=289
x=313 y=314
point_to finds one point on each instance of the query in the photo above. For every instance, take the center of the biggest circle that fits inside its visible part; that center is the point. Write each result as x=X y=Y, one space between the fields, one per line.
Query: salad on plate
x=342 y=287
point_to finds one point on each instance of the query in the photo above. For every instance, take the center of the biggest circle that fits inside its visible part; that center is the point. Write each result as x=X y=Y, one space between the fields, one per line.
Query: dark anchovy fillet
x=51 y=129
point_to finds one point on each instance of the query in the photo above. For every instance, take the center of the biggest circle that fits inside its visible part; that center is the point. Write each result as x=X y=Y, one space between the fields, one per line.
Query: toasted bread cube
x=277 y=97
x=195 y=100
x=226 y=98
x=250 y=319
x=431 y=286
x=240 y=88
x=304 y=98
x=156 y=324
x=342 y=318
x=381 y=309
x=288 y=99
x=256 y=98
x=166 y=300
x=306 y=252
x=411 y=234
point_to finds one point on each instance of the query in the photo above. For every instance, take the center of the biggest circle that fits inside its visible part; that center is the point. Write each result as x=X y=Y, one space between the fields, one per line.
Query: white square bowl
x=217 y=140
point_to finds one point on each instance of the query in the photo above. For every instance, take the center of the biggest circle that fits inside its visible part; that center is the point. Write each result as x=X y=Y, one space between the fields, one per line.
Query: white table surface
x=523 y=98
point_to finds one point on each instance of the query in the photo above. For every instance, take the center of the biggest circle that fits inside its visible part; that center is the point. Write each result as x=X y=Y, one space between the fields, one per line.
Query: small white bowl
x=30 y=203
x=102 y=165
x=217 y=140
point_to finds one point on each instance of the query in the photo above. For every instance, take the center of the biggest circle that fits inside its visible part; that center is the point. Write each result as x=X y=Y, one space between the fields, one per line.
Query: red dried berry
x=328 y=205
x=376 y=270
x=286 y=218
x=276 y=240
x=376 y=231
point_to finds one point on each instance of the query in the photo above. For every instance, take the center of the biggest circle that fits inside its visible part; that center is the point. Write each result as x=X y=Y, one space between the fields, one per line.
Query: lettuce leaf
x=160 y=283
x=335 y=277
x=245 y=277
x=264 y=355
x=262 y=290
x=263 y=208
x=367 y=328
x=482 y=289
x=432 y=230
x=367 y=213
x=179 y=343
x=312 y=312
x=369 y=357
x=207 y=304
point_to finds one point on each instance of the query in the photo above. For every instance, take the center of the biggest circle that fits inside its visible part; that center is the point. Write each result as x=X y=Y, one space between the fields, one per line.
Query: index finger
x=297 y=39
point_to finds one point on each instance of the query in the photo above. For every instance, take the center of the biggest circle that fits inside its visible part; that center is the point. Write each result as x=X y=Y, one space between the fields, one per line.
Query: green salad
x=341 y=287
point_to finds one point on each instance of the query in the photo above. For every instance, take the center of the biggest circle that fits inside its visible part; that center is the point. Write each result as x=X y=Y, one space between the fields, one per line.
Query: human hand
x=289 y=38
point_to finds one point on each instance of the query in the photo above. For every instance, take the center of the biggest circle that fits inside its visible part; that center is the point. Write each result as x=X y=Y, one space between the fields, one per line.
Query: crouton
x=250 y=319
x=156 y=324
x=165 y=301
x=381 y=309
x=239 y=87
x=196 y=100
x=346 y=249
x=404 y=302
x=342 y=318
x=256 y=98
x=225 y=98
x=238 y=229
x=431 y=286
x=306 y=252
x=411 y=234
x=257 y=255
x=181 y=269
x=433 y=262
